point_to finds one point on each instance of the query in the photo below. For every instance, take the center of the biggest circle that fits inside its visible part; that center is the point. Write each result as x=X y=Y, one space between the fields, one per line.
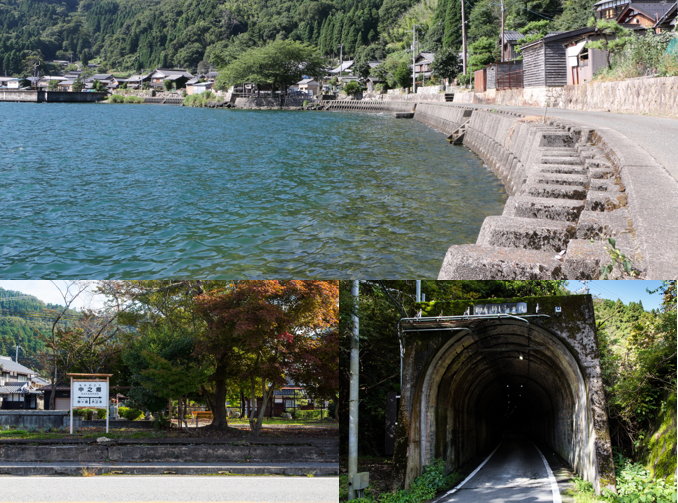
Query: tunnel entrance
x=486 y=370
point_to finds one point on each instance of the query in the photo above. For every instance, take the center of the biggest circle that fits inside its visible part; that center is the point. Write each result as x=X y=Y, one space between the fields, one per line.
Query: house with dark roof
x=16 y=386
x=508 y=45
x=545 y=60
x=651 y=16
x=422 y=64
x=177 y=77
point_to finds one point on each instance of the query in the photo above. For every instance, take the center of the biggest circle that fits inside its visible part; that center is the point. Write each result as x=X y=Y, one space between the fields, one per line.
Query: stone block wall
x=650 y=95
x=38 y=418
x=529 y=97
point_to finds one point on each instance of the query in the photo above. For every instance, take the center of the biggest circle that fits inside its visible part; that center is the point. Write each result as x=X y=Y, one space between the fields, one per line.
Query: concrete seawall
x=566 y=196
x=50 y=96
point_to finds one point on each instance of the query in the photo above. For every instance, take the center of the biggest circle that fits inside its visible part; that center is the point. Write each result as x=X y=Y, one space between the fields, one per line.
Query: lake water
x=144 y=191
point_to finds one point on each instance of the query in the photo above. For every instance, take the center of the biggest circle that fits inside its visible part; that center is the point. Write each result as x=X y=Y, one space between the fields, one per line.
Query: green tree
x=78 y=85
x=615 y=37
x=168 y=84
x=446 y=64
x=99 y=86
x=278 y=64
x=533 y=31
x=403 y=75
x=482 y=52
x=576 y=14
x=351 y=87
x=53 y=85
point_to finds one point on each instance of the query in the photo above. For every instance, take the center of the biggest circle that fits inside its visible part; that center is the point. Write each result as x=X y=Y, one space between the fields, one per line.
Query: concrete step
x=481 y=262
x=553 y=190
x=559 y=152
x=561 y=160
x=568 y=169
x=543 y=207
x=597 y=225
x=527 y=233
x=601 y=173
x=169 y=468
x=559 y=179
x=604 y=201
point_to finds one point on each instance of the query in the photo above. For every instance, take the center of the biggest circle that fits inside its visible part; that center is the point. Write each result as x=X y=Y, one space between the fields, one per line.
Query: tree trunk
x=219 y=420
x=242 y=404
x=336 y=408
x=256 y=424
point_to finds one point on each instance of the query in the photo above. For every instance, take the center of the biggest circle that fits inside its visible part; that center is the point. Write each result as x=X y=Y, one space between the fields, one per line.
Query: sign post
x=89 y=391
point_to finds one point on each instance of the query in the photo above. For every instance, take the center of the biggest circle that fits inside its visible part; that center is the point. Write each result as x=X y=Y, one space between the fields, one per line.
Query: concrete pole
x=353 y=397
x=418 y=286
x=414 y=58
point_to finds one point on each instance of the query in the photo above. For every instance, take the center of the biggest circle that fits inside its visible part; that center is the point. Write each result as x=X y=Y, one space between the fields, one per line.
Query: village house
x=545 y=60
x=10 y=82
x=508 y=46
x=582 y=62
x=194 y=86
x=17 y=389
x=177 y=77
x=343 y=67
x=651 y=16
x=422 y=64
x=308 y=86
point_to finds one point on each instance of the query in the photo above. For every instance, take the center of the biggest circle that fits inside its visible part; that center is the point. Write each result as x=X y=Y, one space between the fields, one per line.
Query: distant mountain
x=24 y=319
x=136 y=34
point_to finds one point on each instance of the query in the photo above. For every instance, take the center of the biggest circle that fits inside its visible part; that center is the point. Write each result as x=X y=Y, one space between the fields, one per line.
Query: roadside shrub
x=134 y=99
x=31 y=428
x=116 y=98
x=87 y=414
x=161 y=422
x=352 y=88
x=642 y=56
x=425 y=486
x=130 y=414
x=634 y=483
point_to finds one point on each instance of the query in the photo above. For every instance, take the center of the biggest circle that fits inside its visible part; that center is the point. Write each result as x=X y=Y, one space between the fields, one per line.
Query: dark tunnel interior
x=503 y=378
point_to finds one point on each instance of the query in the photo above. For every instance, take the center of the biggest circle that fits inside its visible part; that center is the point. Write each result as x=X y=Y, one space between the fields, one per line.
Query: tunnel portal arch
x=468 y=380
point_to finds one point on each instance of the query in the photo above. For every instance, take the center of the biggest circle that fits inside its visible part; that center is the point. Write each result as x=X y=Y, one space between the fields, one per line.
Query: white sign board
x=507 y=308
x=89 y=394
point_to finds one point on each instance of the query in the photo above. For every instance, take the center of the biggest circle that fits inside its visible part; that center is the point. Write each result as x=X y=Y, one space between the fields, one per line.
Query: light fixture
x=521 y=356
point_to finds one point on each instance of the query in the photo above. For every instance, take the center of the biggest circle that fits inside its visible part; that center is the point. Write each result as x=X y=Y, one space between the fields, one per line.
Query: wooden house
x=16 y=386
x=422 y=64
x=651 y=16
x=309 y=86
x=177 y=77
x=545 y=61
x=508 y=45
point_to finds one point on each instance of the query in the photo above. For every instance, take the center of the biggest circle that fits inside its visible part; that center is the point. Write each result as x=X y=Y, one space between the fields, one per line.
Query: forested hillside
x=131 y=35
x=23 y=320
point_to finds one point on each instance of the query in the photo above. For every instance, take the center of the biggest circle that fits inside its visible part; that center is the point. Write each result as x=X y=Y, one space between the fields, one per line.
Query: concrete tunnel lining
x=458 y=404
x=452 y=366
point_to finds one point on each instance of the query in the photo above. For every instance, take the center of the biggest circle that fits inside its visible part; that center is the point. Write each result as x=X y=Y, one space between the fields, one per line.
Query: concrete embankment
x=566 y=197
x=50 y=96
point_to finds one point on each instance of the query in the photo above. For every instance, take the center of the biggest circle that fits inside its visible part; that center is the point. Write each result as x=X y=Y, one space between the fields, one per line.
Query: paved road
x=658 y=136
x=169 y=489
x=515 y=473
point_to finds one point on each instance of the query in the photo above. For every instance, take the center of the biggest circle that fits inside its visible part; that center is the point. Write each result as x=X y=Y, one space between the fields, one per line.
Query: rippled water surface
x=133 y=191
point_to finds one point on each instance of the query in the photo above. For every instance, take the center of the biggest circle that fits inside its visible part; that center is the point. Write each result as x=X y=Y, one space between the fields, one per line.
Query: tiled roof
x=652 y=10
x=9 y=365
x=510 y=35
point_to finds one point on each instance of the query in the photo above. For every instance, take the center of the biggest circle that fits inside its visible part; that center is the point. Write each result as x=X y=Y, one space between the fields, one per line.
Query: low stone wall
x=37 y=418
x=529 y=96
x=252 y=103
x=431 y=90
x=658 y=95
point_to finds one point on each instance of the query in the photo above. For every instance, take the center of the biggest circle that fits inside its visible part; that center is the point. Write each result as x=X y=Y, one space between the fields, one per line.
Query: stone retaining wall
x=37 y=418
x=29 y=96
x=657 y=95
x=529 y=96
x=290 y=101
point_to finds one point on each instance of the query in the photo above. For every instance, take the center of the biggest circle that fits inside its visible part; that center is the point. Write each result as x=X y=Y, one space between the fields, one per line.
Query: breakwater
x=566 y=197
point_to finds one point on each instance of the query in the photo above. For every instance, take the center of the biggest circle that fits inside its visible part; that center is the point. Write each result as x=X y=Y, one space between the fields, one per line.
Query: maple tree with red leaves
x=266 y=331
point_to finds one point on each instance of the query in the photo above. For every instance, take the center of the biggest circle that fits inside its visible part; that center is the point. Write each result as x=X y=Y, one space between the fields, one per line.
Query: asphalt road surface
x=658 y=136
x=165 y=488
x=514 y=474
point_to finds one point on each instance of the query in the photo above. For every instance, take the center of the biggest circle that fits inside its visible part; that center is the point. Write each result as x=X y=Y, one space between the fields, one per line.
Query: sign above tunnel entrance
x=506 y=308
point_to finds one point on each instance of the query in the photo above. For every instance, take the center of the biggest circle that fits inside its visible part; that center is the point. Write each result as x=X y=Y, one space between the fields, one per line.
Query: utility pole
x=414 y=57
x=16 y=358
x=353 y=395
x=463 y=35
x=418 y=290
x=502 y=31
